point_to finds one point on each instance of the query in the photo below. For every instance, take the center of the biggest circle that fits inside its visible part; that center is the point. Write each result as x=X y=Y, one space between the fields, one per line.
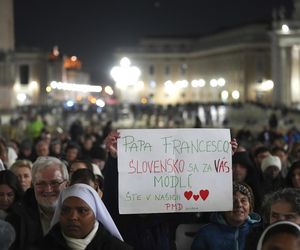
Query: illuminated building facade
x=25 y=74
x=258 y=62
x=177 y=70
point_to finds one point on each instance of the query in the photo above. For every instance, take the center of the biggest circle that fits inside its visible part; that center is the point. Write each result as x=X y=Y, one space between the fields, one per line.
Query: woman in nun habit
x=81 y=221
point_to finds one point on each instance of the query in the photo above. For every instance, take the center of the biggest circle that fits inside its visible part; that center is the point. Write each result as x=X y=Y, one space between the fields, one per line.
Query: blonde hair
x=20 y=164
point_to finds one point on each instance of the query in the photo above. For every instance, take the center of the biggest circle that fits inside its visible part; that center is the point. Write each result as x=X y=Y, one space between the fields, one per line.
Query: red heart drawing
x=196 y=197
x=204 y=194
x=188 y=194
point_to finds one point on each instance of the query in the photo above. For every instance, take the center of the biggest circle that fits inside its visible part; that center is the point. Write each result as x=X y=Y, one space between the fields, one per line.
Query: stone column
x=281 y=71
x=7 y=35
x=295 y=75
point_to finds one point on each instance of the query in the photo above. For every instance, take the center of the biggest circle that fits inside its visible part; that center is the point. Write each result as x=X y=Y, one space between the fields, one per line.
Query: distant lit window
x=24 y=74
x=151 y=70
x=167 y=70
x=183 y=69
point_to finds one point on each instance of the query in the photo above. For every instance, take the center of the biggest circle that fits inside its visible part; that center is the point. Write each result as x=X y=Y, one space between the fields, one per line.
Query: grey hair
x=43 y=162
x=289 y=195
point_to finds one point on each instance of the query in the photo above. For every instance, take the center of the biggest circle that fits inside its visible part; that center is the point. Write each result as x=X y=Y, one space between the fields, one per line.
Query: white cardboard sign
x=174 y=170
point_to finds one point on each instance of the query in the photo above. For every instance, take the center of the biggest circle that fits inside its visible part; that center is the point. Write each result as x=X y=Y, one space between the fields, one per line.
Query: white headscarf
x=90 y=196
x=262 y=237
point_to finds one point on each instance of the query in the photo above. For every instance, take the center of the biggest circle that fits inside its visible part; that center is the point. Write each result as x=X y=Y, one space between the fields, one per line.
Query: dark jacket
x=103 y=240
x=25 y=219
x=271 y=184
x=143 y=232
x=252 y=178
x=253 y=237
x=218 y=235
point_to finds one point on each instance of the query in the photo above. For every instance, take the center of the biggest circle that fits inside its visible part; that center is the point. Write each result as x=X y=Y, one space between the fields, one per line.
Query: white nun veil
x=91 y=197
x=262 y=237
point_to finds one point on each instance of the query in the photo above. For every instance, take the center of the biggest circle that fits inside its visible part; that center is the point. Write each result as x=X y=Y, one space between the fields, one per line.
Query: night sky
x=92 y=29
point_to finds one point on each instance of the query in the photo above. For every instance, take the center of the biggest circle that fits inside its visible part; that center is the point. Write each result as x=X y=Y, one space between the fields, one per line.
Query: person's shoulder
x=52 y=240
x=26 y=207
x=253 y=236
x=105 y=241
x=205 y=229
x=116 y=244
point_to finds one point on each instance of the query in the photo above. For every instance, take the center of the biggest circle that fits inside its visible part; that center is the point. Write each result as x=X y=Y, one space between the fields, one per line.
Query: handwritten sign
x=174 y=170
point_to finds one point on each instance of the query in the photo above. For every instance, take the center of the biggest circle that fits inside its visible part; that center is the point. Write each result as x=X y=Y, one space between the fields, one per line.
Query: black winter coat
x=25 y=219
x=103 y=240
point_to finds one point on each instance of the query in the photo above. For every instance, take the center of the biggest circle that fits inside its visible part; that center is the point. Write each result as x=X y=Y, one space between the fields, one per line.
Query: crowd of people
x=60 y=191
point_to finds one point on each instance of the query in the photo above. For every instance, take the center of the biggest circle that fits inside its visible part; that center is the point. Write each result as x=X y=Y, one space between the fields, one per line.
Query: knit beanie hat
x=244 y=189
x=270 y=160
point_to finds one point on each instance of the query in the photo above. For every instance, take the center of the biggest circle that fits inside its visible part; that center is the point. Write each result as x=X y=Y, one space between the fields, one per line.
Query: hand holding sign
x=111 y=143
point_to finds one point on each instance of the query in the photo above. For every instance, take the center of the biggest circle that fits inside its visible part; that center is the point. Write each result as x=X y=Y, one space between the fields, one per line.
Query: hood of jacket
x=218 y=218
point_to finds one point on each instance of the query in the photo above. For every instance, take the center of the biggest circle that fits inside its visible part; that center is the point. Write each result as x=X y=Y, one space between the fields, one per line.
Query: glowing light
x=182 y=84
x=73 y=58
x=21 y=97
x=125 y=62
x=267 y=85
x=93 y=100
x=17 y=87
x=75 y=87
x=100 y=103
x=140 y=85
x=144 y=100
x=194 y=83
x=55 y=51
x=235 y=94
x=221 y=82
x=108 y=90
x=170 y=87
x=125 y=75
x=152 y=84
x=213 y=83
x=70 y=103
x=33 y=86
x=285 y=28
x=48 y=89
x=198 y=83
x=201 y=83
x=168 y=83
x=224 y=95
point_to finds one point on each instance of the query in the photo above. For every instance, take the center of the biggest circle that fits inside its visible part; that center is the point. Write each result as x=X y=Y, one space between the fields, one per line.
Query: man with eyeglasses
x=31 y=219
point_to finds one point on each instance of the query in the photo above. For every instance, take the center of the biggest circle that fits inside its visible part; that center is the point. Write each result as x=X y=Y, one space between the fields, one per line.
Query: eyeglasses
x=53 y=184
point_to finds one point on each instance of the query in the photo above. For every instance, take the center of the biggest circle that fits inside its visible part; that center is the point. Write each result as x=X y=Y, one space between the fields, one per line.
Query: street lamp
x=235 y=94
x=285 y=28
x=126 y=76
